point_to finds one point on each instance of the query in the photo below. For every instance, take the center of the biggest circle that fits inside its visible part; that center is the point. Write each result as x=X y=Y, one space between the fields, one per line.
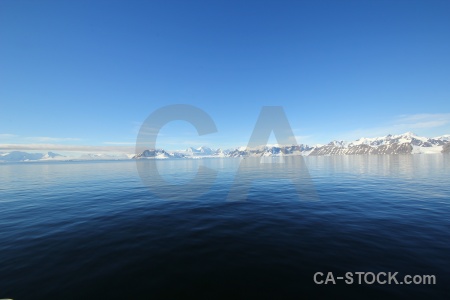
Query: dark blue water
x=93 y=230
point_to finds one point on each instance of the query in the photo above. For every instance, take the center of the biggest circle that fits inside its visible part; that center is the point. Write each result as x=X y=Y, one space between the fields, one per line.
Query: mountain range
x=25 y=156
x=407 y=143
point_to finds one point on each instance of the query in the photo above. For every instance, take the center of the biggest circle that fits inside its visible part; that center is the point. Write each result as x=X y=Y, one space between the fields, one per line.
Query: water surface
x=94 y=230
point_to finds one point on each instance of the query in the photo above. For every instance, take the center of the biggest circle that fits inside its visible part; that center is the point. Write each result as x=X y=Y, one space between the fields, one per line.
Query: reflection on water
x=168 y=179
x=407 y=166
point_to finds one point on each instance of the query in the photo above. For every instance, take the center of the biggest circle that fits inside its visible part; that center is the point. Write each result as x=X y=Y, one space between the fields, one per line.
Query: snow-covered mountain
x=101 y=156
x=190 y=152
x=275 y=150
x=155 y=153
x=16 y=156
x=20 y=156
x=407 y=143
x=446 y=148
x=407 y=137
x=445 y=138
x=52 y=155
x=203 y=150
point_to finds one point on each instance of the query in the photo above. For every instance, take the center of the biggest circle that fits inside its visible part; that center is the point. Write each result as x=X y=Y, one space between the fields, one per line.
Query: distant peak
x=409 y=133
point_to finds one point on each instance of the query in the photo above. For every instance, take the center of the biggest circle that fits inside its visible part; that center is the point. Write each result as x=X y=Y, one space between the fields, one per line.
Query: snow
x=421 y=145
x=161 y=156
x=406 y=137
x=306 y=153
x=445 y=137
x=426 y=150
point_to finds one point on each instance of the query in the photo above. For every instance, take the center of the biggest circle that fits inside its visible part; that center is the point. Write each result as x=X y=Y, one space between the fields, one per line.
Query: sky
x=88 y=73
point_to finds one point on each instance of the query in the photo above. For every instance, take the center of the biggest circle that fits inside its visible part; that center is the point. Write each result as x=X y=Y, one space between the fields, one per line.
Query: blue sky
x=90 y=72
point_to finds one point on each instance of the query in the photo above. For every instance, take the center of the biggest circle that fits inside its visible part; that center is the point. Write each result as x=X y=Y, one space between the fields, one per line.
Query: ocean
x=95 y=230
